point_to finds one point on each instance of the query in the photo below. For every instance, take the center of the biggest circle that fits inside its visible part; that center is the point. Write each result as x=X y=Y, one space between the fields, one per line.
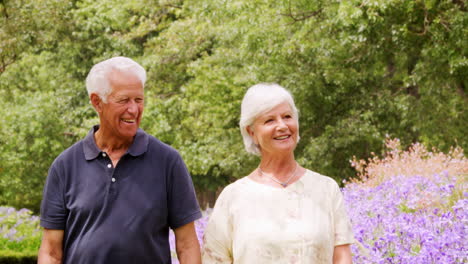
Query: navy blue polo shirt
x=121 y=214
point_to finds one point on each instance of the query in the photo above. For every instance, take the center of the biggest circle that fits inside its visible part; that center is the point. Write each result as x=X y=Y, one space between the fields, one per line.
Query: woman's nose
x=281 y=125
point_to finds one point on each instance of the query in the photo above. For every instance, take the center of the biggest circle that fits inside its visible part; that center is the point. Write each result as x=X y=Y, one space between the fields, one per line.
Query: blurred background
x=380 y=85
x=361 y=71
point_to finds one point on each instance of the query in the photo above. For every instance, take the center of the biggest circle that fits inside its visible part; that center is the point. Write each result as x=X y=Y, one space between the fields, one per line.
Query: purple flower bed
x=409 y=220
x=19 y=230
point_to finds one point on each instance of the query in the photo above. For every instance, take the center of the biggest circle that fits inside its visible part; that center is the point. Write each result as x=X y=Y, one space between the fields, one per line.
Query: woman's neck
x=279 y=166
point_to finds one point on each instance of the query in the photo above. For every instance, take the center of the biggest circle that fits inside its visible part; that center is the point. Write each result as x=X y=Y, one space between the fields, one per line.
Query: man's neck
x=114 y=147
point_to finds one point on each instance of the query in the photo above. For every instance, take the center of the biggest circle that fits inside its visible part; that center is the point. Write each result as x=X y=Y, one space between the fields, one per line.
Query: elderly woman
x=281 y=212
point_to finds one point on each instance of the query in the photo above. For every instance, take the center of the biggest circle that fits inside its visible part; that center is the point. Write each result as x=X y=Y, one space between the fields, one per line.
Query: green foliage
x=45 y=106
x=29 y=27
x=36 y=132
x=359 y=71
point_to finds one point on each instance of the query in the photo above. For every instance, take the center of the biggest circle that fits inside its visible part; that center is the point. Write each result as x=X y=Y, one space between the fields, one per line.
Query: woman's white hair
x=97 y=80
x=259 y=99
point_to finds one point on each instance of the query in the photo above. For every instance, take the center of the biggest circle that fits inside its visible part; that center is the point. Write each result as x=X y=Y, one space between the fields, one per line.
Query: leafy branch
x=300 y=16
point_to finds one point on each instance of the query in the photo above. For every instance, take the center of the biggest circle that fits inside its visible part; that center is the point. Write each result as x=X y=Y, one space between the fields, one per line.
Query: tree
x=48 y=47
x=360 y=70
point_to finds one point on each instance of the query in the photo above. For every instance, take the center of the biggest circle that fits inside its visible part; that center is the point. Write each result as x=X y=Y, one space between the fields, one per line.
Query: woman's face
x=275 y=131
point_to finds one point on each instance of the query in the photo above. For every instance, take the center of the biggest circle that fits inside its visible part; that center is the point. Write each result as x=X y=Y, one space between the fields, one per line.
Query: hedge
x=12 y=257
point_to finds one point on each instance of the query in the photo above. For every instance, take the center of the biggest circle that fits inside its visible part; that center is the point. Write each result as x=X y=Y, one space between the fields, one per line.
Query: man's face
x=121 y=115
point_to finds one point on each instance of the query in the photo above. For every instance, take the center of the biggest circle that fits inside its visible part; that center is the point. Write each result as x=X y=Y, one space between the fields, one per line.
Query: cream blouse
x=256 y=223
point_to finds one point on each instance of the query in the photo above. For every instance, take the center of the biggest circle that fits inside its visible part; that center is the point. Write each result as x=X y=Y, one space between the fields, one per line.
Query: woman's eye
x=268 y=121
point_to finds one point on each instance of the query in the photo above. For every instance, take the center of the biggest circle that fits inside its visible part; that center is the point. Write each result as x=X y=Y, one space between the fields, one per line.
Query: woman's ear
x=252 y=134
x=249 y=130
x=96 y=102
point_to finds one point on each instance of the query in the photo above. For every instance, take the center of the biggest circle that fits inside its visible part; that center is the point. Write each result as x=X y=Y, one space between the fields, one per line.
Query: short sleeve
x=53 y=212
x=183 y=204
x=343 y=229
x=217 y=240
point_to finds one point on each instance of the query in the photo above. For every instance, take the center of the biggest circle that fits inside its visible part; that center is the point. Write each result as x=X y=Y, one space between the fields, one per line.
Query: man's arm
x=51 y=250
x=187 y=246
x=342 y=254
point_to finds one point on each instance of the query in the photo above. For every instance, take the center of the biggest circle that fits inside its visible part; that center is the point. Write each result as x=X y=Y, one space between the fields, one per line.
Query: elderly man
x=112 y=197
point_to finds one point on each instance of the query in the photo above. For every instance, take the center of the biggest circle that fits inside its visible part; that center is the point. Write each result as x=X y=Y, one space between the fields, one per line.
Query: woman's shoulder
x=232 y=192
x=241 y=186
x=317 y=178
x=237 y=185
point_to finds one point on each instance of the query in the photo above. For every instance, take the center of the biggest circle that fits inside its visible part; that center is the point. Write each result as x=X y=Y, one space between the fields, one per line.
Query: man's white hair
x=259 y=99
x=98 y=80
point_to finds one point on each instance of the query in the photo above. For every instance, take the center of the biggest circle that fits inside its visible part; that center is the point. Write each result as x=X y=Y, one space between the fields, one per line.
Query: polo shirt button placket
x=110 y=167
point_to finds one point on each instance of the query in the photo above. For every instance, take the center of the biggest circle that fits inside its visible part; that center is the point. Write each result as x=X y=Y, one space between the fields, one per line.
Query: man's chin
x=128 y=133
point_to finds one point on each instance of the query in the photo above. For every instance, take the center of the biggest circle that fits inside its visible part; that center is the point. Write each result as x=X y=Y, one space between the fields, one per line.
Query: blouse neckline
x=291 y=187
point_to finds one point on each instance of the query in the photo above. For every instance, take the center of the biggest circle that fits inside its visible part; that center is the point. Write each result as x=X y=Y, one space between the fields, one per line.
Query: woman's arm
x=217 y=246
x=342 y=254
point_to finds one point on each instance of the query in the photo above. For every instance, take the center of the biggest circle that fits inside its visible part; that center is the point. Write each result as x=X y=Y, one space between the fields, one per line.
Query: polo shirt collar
x=138 y=147
x=140 y=143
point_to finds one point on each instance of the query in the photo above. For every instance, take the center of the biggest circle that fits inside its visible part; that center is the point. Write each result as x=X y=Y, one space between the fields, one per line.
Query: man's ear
x=96 y=102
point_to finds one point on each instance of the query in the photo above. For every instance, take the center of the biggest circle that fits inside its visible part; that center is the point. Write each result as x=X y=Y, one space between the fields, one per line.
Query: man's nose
x=132 y=106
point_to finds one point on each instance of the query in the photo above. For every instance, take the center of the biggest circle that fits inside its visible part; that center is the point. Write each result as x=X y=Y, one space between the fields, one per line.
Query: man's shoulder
x=162 y=148
x=70 y=153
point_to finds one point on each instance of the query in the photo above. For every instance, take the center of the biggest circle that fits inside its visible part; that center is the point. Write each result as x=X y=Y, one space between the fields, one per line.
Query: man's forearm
x=189 y=255
x=51 y=251
x=187 y=246
x=49 y=257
